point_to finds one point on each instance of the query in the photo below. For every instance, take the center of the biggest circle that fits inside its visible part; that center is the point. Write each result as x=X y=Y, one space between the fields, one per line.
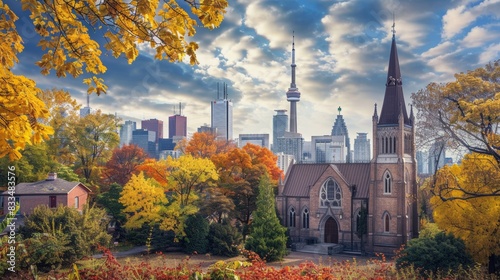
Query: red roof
x=302 y=176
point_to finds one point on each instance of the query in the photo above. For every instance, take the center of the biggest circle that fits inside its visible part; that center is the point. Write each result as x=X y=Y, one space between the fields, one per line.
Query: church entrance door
x=331 y=231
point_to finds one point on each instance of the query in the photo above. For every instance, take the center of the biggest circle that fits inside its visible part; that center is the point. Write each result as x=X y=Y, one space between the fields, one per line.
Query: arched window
x=387 y=182
x=305 y=218
x=291 y=217
x=387 y=220
x=330 y=194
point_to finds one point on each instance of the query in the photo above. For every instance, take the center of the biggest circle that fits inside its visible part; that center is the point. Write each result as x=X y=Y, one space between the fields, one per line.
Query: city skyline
x=342 y=49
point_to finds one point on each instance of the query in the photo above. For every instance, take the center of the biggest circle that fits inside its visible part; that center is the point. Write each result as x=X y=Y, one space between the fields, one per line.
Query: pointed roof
x=394 y=101
x=301 y=176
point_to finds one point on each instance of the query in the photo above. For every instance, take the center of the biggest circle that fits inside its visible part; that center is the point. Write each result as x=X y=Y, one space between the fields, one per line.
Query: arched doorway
x=331 y=231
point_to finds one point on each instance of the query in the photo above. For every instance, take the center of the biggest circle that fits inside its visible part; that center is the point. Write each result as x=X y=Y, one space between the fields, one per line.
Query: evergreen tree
x=267 y=236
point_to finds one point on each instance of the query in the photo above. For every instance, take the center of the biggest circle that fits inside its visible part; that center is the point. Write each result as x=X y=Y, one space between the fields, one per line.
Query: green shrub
x=84 y=232
x=223 y=240
x=434 y=255
x=196 y=229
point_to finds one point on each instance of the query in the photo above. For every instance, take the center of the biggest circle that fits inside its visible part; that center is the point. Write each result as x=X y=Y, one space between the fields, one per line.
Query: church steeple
x=394 y=102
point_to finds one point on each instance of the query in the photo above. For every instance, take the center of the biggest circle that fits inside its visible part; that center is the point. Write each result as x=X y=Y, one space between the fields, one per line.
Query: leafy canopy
x=67 y=32
x=475 y=219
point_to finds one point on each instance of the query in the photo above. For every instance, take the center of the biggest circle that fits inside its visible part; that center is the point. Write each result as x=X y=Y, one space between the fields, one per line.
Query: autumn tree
x=267 y=236
x=123 y=163
x=63 y=111
x=187 y=179
x=156 y=169
x=205 y=145
x=264 y=156
x=473 y=218
x=463 y=114
x=65 y=30
x=93 y=139
x=144 y=201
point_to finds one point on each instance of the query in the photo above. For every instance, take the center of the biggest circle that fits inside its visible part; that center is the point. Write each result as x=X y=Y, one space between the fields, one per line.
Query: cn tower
x=293 y=94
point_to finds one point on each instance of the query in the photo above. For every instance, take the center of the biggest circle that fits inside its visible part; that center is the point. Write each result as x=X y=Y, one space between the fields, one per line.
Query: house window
x=330 y=194
x=305 y=218
x=52 y=201
x=291 y=217
x=387 y=219
x=387 y=183
x=77 y=202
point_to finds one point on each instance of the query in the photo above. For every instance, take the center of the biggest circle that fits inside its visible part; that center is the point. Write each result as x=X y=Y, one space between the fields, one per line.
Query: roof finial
x=393 y=25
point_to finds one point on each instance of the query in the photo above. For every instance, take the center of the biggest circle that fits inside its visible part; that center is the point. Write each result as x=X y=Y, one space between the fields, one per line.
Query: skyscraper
x=340 y=129
x=222 y=115
x=328 y=149
x=86 y=110
x=153 y=125
x=256 y=139
x=280 y=124
x=145 y=139
x=177 y=124
x=361 y=148
x=126 y=132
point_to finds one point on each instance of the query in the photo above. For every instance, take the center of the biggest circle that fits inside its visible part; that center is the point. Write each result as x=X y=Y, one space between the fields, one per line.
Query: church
x=369 y=207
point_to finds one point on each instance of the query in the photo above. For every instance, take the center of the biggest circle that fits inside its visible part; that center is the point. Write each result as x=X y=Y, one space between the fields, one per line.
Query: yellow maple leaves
x=67 y=28
x=472 y=211
x=20 y=108
x=146 y=201
x=71 y=33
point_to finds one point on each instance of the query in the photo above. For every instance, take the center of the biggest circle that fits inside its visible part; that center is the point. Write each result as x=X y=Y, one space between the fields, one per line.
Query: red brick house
x=51 y=192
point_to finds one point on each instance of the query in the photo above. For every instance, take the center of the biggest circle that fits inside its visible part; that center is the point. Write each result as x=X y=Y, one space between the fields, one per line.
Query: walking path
x=308 y=253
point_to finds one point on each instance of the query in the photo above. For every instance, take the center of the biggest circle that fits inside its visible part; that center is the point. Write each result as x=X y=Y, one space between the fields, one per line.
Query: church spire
x=394 y=103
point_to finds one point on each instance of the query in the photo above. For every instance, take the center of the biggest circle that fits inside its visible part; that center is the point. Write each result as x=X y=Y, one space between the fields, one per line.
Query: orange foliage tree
x=123 y=163
x=156 y=169
x=262 y=155
x=205 y=145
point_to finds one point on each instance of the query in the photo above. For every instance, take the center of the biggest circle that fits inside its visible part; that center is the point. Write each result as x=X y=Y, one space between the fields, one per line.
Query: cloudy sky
x=342 y=53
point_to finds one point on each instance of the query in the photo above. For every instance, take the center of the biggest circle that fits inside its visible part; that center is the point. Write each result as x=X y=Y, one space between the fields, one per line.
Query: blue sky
x=342 y=53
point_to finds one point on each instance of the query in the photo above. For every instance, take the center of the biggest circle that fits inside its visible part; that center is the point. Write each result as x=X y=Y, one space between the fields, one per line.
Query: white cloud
x=457 y=19
x=478 y=36
x=492 y=52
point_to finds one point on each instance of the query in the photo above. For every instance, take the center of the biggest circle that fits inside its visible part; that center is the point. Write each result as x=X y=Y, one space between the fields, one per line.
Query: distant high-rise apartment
x=145 y=139
x=291 y=144
x=222 y=115
x=206 y=129
x=422 y=162
x=177 y=124
x=86 y=110
x=256 y=139
x=437 y=155
x=340 y=129
x=362 y=148
x=284 y=161
x=328 y=149
x=280 y=125
x=153 y=125
x=126 y=132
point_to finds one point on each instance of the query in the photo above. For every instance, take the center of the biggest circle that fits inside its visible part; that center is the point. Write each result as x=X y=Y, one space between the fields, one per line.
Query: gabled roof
x=57 y=186
x=302 y=176
x=394 y=101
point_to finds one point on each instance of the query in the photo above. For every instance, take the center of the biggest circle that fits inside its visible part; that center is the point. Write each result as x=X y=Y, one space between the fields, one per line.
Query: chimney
x=52 y=176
